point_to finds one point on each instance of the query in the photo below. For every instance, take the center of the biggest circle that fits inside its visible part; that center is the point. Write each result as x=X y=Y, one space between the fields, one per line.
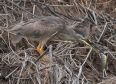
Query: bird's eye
x=88 y=40
x=42 y=20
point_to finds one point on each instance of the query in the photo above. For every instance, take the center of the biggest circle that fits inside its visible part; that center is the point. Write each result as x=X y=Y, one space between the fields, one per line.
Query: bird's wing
x=41 y=28
x=47 y=27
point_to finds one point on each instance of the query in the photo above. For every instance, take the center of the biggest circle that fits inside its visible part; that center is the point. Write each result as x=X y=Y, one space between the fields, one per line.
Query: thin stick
x=42 y=55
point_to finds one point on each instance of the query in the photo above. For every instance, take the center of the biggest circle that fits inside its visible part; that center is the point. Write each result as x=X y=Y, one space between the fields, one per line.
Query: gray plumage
x=45 y=28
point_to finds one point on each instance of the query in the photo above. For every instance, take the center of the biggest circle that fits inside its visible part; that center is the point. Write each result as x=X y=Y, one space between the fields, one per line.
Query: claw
x=40 y=51
x=45 y=59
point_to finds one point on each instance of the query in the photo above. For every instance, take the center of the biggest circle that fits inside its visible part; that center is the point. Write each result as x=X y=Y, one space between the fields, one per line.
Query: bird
x=45 y=28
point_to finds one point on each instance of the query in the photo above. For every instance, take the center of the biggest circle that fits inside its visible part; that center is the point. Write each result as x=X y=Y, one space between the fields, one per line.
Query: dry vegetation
x=71 y=63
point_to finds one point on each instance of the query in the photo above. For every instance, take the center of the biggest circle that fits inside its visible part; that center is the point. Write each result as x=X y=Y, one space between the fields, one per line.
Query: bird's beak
x=98 y=50
x=93 y=45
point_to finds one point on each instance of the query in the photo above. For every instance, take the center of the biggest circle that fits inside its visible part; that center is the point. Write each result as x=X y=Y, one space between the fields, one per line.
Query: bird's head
x=80 y=35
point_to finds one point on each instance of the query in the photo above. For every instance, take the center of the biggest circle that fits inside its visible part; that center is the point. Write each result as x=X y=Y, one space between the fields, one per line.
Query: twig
x=105 y=26
x=11 y=73
x=42 y=55
x=21 y=8
x=51 y=70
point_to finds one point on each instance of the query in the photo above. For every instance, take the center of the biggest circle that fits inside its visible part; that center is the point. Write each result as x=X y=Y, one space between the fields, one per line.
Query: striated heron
x=47 y=28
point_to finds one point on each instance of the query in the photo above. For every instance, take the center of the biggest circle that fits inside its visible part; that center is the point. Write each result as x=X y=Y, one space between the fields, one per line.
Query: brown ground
x=17 y=65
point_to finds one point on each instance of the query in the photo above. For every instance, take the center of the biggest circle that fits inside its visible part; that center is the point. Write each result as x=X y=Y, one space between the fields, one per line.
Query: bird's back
x=40 y=28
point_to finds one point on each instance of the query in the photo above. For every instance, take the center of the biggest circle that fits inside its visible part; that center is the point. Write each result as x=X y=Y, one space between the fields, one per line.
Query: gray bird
x=54 y=28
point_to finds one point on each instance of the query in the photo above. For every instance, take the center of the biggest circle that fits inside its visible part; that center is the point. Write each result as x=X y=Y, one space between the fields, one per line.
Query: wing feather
x=40 y=28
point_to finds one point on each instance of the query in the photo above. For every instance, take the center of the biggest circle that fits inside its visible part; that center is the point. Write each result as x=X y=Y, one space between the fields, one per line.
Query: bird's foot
x=45 y=59
x=40 y=51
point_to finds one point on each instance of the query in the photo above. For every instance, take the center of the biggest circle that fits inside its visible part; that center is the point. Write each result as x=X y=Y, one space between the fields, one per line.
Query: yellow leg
x=40 y=51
